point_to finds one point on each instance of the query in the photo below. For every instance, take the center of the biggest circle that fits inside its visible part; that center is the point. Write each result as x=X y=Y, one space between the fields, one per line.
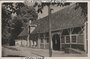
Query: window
x=67 y=39
x=41 y=40
x=73 y=39
x=47 y=40
x=62 y=39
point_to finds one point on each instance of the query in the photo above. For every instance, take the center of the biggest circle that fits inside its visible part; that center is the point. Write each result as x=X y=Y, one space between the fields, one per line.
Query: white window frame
x=66 y=39
x=72 y=39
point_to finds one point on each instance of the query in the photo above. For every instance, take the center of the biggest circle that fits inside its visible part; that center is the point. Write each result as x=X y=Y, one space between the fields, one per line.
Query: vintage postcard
x=41 y=29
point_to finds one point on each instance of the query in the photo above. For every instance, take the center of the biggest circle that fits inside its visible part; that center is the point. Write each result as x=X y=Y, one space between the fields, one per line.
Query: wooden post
x=50 y=37
x=70 y=38
x=38 y=40
x=85 y=37
x=28 y=39
x=60 y=42
x=61 y=39
x=70 y=32
x=44 y=40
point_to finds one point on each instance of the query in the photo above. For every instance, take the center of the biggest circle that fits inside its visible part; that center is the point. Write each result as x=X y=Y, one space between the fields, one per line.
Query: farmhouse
x=68 y=29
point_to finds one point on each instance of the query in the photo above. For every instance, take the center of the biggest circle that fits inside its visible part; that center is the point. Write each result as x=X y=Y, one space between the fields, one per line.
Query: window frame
x=63 y=41
x=66 y=39
x=72 y=39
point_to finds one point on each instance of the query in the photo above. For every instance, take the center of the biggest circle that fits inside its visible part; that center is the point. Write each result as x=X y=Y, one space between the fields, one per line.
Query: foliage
x=14 y=17
x=12 y=26
x=28 y=13
x=83 y=6
x=42 y=5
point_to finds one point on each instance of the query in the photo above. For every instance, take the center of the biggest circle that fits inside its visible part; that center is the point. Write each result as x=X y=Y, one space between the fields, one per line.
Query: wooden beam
x=85 y=38
x=50 y=37
x=61 y=39
x=70 y=30
x=39 y=40
x=82 y=29
x=44 y=39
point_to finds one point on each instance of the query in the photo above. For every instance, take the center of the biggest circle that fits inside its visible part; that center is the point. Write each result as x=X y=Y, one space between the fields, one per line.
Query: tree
x=28 y=13
x=13 y=23
x=6 y=15
x=83 y=6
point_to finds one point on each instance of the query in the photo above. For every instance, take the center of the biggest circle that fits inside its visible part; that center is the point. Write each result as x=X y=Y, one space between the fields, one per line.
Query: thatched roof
x=24 y=32
x=63 y=19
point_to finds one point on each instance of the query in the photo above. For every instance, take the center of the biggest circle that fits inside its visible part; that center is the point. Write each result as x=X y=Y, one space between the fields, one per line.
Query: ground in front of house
x=16 y=51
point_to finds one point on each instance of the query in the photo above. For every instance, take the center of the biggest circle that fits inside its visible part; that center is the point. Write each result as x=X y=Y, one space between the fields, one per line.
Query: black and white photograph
x=44 y=29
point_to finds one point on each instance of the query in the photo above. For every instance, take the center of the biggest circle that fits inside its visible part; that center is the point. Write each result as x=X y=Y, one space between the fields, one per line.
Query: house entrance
x=56 y=42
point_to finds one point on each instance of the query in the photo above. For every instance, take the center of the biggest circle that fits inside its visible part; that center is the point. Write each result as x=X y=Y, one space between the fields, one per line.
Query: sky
x=45 y=11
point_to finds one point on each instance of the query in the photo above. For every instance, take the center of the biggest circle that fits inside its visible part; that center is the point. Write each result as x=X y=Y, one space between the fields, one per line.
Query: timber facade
x=68 y=29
